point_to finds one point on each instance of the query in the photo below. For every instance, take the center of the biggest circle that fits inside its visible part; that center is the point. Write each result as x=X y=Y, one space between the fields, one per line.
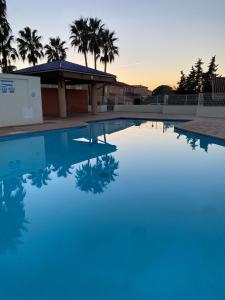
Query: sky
x=157 y=38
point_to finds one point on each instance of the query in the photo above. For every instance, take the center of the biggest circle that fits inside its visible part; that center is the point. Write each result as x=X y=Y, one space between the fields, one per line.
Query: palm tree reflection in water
x=12 y=213
x=40 y=177
x=95 y=178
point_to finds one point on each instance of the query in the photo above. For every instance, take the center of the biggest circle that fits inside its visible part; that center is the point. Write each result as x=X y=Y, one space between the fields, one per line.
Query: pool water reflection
x=122 y=209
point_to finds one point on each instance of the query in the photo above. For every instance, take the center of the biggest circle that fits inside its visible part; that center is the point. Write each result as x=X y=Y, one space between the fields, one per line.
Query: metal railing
x=209 y=99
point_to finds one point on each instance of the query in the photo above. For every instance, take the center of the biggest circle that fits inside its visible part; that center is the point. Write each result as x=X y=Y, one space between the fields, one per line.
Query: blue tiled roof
x=61 y=65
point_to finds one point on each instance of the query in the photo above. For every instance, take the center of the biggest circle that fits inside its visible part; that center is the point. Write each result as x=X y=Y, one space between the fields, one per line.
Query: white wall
x=21 y=103
x=139 y=108
x=101 y=108
x=180 y=109
x=211 y=111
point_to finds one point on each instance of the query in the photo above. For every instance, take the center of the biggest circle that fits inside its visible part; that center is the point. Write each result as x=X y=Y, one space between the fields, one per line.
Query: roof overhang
x=71 y=73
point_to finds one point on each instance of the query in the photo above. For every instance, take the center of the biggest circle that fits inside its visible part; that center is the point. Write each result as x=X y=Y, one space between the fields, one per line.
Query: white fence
x=201 y=105
x=173 y=99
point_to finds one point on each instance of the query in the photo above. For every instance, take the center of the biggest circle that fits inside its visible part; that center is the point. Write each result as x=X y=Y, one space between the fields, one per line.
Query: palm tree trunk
x=4 y=60
x=85 y=56
x=95 y=61
x=103 y=90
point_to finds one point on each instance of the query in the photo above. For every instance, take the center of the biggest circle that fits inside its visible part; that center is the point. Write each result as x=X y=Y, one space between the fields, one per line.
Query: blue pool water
x=123 y=209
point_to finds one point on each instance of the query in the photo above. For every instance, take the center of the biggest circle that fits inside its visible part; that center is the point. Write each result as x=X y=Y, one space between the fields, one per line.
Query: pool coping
x=186 y=123
x=70 y=123
x=20 y=135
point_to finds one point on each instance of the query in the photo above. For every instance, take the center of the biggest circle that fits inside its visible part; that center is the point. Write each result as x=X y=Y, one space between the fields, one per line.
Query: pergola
x=64 y=73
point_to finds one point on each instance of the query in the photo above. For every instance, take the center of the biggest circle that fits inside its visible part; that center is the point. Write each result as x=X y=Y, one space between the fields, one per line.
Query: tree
x=198 y=76
x=108 y=48
x=4 y=24
x=55 y=50
x=182 y=84
x=96 y=29
x=209 y=75
x=10 y=54
x=79 y=36
x=5 y=31
x=30 y=46
x=190 y=82
x=163 y=90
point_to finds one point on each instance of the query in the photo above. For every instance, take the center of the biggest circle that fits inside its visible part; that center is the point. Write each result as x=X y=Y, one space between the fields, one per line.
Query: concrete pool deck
x=206 y=126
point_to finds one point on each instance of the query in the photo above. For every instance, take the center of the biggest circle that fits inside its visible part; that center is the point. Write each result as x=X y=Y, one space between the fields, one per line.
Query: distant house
x=141 y=90
x=120 y=92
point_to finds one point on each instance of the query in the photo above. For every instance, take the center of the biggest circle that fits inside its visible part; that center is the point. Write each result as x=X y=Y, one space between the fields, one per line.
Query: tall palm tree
x=55 y=50
x=4 y=24
x=2 y=9
x=109 y=49
x=96 y=28
x=5 y=30
x=30 y=46
x=10 y=54
x=79 y=36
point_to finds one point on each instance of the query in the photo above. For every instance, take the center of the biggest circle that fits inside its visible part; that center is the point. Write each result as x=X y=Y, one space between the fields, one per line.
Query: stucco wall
x=180 y=109
x=101 y=108
x=20 y=100
x=138 y=108
x=211 y=111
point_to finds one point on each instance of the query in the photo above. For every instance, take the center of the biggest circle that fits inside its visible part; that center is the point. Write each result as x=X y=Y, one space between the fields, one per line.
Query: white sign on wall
x=7 y=86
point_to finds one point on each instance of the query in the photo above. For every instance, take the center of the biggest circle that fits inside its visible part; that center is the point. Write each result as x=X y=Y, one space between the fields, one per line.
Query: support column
x=62 y=98
x=94 y=100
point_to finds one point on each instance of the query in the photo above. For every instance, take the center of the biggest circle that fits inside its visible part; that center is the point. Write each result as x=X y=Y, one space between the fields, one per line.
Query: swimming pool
x=122 y=209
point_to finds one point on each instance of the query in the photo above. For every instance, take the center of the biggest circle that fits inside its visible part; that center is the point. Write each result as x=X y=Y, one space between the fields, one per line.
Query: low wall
x=20 y=100
x=138 y=108
x=180 y=109
x=192 y=110
x=211 y=111
x=101 y=108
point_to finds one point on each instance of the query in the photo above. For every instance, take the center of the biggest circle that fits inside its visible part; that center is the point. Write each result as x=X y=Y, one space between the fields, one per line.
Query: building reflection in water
x=37 y=159
x=84 y=153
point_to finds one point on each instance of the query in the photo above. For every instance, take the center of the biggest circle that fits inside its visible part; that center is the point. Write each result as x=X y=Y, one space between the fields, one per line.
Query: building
x=64 y=87
x=20 y=100
x=120 y=93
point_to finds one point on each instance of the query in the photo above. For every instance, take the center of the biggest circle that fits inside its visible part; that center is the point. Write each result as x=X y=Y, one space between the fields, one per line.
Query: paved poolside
x=207 y=126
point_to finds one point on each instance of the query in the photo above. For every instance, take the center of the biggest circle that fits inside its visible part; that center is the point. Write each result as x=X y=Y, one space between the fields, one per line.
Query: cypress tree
x=190 y=82
x=209 y=75
x=198 y=76
x=182 y=84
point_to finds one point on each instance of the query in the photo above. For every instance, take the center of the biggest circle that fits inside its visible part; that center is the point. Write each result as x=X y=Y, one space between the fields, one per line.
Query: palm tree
x=30 y=46
x=79 y=36
x=4 y=24
x=55 y=50
x=5 y=30
x=96 y=29
x=10 y=54
x=109 y=50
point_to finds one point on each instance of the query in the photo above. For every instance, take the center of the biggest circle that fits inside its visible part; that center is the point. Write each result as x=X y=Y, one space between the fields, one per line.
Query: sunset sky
x=157 y=38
